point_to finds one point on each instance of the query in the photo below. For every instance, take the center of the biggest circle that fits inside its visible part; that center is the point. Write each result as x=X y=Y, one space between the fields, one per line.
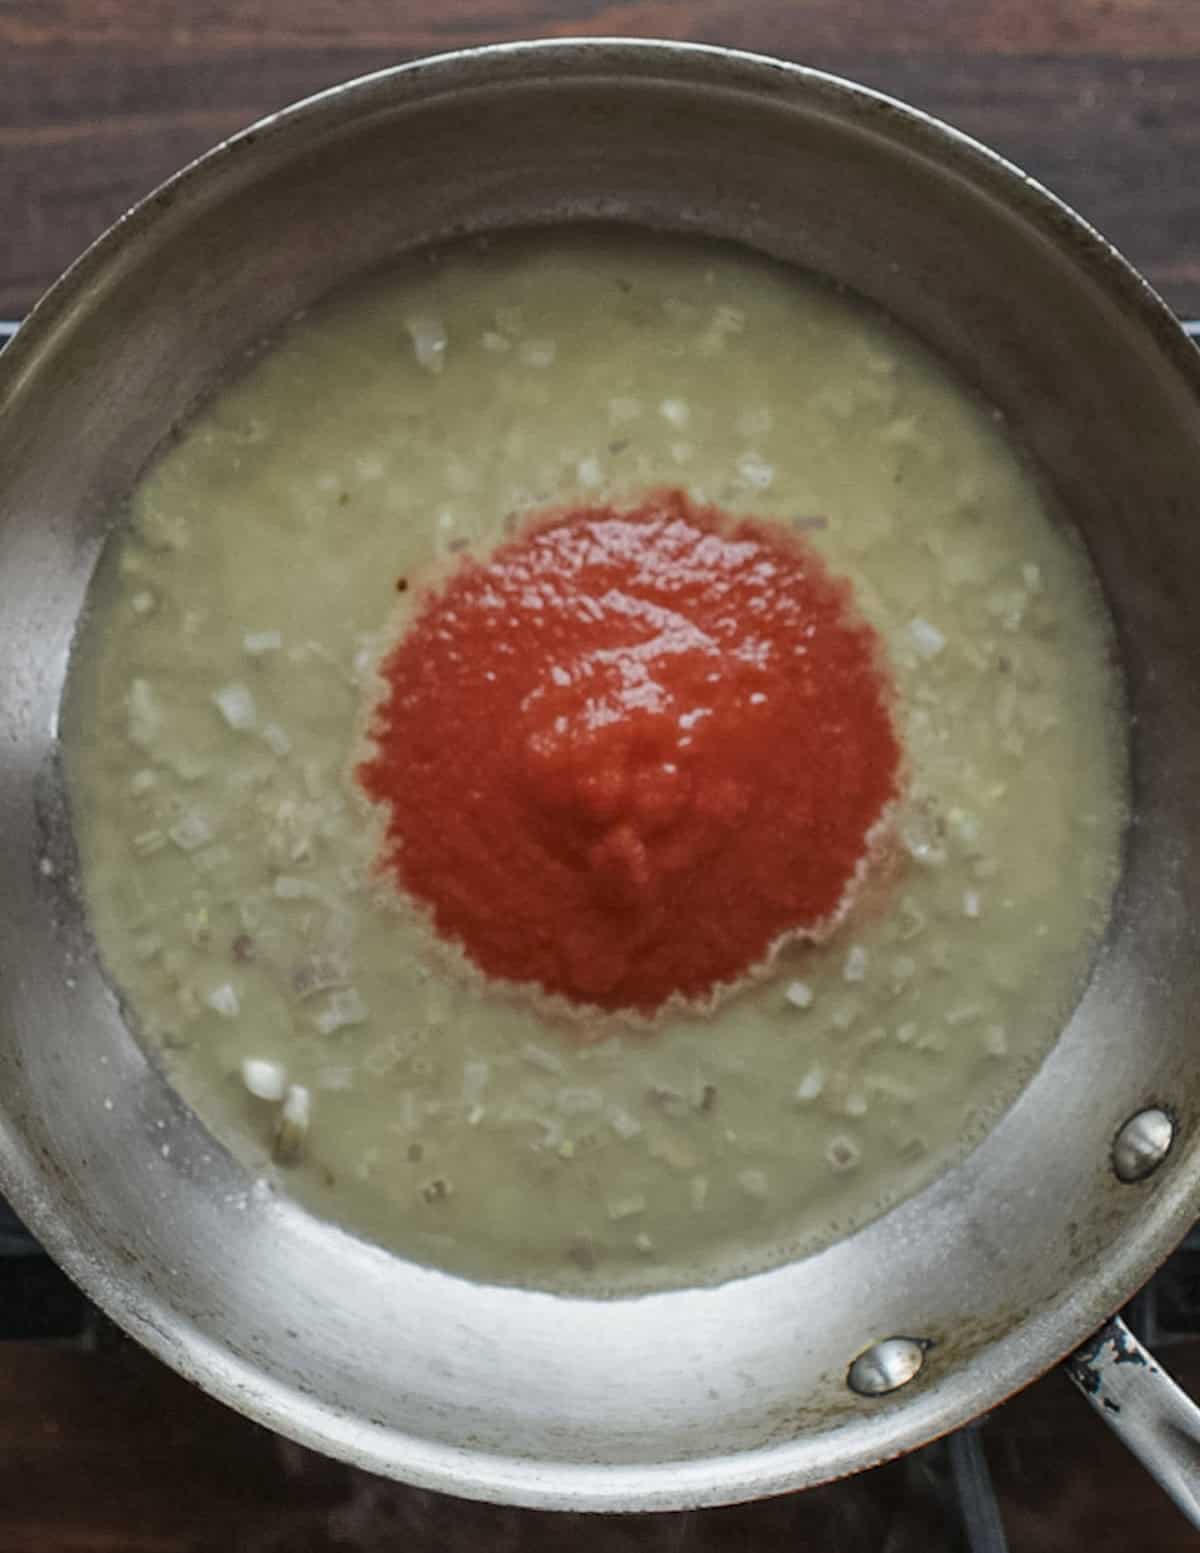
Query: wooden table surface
x=99 y=100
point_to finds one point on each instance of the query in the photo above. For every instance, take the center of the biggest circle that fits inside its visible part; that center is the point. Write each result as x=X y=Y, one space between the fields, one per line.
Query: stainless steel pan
x=691 y=1398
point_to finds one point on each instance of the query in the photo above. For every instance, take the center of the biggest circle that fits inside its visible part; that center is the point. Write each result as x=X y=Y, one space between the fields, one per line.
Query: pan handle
x=1142 y=1404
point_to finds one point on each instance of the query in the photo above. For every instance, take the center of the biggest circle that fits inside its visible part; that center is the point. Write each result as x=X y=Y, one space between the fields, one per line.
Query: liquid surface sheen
x=230 y=694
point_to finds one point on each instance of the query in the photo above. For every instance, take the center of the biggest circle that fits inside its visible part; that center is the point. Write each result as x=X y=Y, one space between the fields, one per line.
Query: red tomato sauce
x=632 y=751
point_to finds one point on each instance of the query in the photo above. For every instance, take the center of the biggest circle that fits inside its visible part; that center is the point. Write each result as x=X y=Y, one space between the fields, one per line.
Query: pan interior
x=234 y=645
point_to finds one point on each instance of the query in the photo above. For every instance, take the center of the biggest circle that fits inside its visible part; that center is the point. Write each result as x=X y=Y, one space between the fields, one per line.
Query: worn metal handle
x=1140 y=1402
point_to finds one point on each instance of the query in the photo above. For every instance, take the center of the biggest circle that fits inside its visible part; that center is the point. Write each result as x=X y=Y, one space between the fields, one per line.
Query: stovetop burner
x=937 y=1500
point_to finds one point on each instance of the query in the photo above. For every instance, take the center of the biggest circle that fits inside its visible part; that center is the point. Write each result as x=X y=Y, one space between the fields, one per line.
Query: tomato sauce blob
x=632 y=751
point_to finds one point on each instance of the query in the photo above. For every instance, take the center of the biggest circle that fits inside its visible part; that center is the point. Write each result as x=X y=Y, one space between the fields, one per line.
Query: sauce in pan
x=595 y=766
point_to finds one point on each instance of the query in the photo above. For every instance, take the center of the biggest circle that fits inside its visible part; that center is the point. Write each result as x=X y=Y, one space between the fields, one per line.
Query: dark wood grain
x=101 y=99
x=108 y=1452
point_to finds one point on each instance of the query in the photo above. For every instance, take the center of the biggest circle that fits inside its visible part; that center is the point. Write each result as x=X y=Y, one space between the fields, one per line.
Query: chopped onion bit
x=145 y=714
x=926 y=638
x=811 y=1085
x=589 y=472
x=428 y=335
x=578 y=1101
x=799 y=994
x=258 y=642
x=297 y=1106
x=756 y=471
x=345 y=1008
x=845 y=1015
x=889 y=1088
x=224 y=1000
x=291 y=1129
x=276 y=739
x=475 y=1078
x=288 y=888
x=539 y=1057
x=919 y=836
x=622 y=1123
x=265 y=1080
x=190 y=831
x=236 y=706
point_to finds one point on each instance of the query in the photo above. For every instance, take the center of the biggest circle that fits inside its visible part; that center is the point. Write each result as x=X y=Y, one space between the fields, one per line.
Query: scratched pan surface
x=685 y=1398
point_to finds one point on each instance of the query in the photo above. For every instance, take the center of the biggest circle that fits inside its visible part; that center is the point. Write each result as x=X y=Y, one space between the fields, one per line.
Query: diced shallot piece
x=265 y=1080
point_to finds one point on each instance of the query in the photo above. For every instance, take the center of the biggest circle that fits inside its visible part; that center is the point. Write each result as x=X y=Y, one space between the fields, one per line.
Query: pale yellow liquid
x=228 y=869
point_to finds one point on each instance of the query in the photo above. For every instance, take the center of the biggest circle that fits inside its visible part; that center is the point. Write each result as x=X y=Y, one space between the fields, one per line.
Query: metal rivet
x=886 y=1366
x=1142 y=1144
